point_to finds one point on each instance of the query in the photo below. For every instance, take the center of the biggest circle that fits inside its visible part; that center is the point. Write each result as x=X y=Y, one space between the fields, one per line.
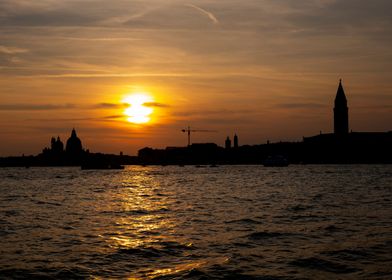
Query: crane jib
x=189 y=130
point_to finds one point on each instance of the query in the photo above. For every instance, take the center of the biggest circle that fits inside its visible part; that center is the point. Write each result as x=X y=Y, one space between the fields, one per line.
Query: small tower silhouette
x=340 y=112
x=228 y=143
x=60 y=145
x=53 y=144
x=56 y=146
x=235 y=141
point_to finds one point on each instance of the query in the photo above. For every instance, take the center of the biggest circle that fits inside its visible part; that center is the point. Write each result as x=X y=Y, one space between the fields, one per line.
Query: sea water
x=228 y=222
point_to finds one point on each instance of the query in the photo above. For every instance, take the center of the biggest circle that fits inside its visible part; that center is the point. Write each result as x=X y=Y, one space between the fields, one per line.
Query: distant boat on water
x=276 y=161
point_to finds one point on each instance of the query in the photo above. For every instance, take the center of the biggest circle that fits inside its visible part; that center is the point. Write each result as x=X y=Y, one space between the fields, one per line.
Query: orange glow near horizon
x=138 y=112
x=264 y=70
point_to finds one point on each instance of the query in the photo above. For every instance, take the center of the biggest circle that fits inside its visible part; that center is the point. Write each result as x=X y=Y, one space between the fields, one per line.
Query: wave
x=136 y=212
x=350 y=254
x=267 y=235
x=46 y=273
x=324 y=265
x=243 y=221
x=160 y=249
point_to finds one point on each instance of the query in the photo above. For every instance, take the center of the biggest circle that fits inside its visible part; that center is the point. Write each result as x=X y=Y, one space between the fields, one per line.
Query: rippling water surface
x=229 y=222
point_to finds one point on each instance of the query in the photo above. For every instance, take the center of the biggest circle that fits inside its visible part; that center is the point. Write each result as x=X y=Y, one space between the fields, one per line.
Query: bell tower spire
x=340 y=112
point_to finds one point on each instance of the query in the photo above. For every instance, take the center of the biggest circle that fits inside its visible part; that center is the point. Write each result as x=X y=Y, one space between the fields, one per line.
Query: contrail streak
x=207 y=13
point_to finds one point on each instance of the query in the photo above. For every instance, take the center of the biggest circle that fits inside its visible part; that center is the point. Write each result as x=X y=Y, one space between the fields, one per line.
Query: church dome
x=74 y=145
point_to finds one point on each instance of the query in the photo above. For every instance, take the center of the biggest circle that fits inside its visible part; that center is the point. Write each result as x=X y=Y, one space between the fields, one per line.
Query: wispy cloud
x=81 y=119
x=98 y=39
x=12 y=50
x=113 y=117
x=34 y=107
x=309 y=105
x=210 y=15
x=110 y=105
x=104 y=75
x=156 y=104
x=125 y=105
x=103 y=105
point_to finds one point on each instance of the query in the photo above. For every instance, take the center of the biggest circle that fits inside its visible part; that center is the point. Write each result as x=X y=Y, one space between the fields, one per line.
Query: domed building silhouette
x=56 y=155
x=74 y=147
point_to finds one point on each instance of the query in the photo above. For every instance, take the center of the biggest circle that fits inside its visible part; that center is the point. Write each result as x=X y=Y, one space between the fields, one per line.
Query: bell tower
x=340 y=112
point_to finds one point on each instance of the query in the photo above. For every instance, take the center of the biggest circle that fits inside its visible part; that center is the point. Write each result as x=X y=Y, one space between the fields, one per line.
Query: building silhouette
x=338 y=147
x=74 y=145
x=56 y=147
x=228 y=143
x=235 y=141
x=56 y=155
x=340 y=112
x=343 y=146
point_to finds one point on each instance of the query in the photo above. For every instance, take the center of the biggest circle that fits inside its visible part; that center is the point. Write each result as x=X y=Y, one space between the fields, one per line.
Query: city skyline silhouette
x=130 y=74
x=340 y=127
x=339 y=146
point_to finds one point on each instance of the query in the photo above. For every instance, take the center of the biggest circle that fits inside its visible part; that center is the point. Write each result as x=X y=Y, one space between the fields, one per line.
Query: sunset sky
x=264 y=69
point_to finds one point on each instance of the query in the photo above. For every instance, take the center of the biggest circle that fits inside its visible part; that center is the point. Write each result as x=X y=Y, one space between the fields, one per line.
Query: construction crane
x=189 y=130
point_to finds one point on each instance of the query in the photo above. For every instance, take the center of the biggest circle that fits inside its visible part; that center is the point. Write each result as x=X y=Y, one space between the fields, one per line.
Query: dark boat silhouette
x=276 y=161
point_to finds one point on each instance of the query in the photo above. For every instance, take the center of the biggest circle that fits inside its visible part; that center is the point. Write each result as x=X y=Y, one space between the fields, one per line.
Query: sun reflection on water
x=144 y=221
x=148 y=230
x=148 y=224
x=171 y=222
x=182 y=267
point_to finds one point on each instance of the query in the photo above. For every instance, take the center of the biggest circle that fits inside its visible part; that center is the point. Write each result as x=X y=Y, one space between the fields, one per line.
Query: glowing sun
x=138 y=112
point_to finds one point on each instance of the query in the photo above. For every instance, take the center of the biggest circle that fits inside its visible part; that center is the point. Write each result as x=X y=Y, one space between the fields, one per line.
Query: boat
x=276 y=161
